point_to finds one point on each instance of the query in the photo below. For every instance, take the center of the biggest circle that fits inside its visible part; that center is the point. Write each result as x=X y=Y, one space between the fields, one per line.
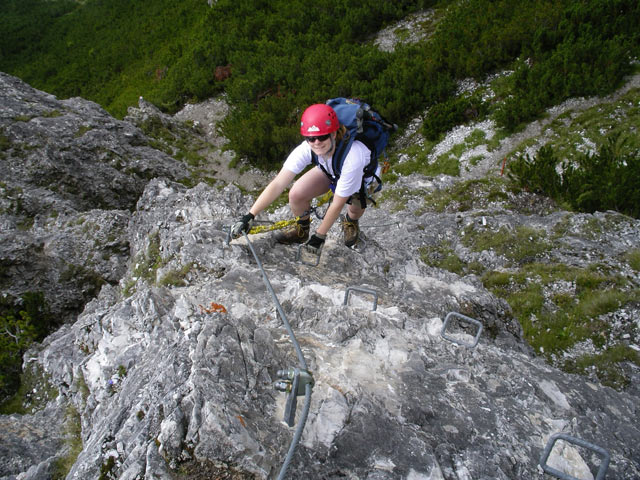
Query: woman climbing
x=322 y=134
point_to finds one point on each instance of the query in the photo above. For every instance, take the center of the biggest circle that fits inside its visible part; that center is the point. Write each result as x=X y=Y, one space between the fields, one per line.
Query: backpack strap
x=342 y=148
x=314 y=160
x=338 y=159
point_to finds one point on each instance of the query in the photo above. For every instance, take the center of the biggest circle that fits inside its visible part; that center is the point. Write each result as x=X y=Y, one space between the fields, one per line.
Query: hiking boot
x=296 y=233
x=351 y=231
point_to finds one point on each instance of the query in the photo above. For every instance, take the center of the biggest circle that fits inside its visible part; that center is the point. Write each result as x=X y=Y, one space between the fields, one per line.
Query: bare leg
x=311 y=185
x=355 y=210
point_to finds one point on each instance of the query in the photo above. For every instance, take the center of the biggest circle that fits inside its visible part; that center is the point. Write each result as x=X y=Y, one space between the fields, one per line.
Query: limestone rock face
x=168 y=371
x=167 y=375
x=71 y=174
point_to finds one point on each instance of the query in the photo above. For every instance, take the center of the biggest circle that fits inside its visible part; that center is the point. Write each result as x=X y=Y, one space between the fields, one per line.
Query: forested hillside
x=272 y=58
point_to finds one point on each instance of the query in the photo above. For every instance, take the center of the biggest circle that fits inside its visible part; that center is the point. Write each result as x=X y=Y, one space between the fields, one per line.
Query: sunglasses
x=319 y=138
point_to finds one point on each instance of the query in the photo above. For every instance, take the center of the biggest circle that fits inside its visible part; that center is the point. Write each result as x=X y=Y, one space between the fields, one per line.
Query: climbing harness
x=294 y=381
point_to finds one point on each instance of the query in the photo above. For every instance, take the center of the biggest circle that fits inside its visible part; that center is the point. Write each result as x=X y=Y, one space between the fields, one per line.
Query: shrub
x=537 y=175
x=455 y=111
x=22 y=321
x=607 y=180
x=286 y=54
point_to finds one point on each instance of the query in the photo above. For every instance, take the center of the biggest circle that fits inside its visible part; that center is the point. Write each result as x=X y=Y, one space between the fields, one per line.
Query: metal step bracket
x=227 y=230
x=362 y=290
x=464 y=319
x=604 y=455
x=311 y=255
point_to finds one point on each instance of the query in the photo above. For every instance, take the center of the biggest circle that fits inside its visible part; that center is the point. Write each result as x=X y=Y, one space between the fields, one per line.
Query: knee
x=297 y=195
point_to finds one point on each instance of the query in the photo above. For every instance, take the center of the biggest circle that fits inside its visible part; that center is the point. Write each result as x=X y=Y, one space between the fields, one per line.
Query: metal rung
x=310 y=251
x=465 y=319
x=363 y=290
x=576 y=441
x=227 y=230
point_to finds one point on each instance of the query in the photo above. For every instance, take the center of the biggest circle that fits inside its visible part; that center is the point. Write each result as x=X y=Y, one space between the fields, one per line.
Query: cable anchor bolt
x=294 y=382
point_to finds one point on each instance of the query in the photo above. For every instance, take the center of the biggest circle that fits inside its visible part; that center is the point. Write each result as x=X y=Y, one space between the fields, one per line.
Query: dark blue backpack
x=363 y=124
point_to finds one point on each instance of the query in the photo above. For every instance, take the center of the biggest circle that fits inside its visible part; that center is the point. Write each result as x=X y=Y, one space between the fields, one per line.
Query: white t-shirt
x=350 y=179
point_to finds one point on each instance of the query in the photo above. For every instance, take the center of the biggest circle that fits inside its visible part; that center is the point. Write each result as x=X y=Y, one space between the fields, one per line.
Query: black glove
x=242 y=225
x=316 y=241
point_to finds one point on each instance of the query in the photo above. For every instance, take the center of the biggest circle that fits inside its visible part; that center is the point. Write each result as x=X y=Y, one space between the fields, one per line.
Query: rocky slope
x=168 y=372
x=71 y=174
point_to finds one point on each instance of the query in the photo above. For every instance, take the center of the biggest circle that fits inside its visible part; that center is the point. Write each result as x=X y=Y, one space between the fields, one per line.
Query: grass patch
x=34 y=393
x=106 y=469
x=475 y=160
x=280 y=201
x=5 y=142
x=82 y=386
x=495 y=141
x=606 y=365
x=180 y=142
x=415 y=159
x=522 y=245
x=598 y=302
x=467 y=195
x=149 y=262
x=632 y=257
x=397 y=197
x=176 y=278
x=573 y=132
x=146 y=264
x=443 y=256
x=52 y=114
x=591 y=126
x=82 y=130
x=447 y=164
x=559 y=306
x=73 y=440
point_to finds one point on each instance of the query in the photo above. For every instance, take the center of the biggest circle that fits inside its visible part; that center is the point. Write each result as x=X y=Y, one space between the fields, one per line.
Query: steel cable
x=298 y=434
x=303 y=365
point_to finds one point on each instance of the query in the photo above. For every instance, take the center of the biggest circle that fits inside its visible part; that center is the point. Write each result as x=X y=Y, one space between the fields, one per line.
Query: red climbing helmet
x=318 y=119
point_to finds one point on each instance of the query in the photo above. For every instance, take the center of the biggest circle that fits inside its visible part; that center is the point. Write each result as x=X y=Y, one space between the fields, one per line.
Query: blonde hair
x=340 y=133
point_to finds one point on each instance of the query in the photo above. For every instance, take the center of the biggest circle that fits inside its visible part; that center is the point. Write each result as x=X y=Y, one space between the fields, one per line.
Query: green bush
x=606 y=180
x=537 y=175
x=22 y=321
x=586 y=52
x=285 y=54
x=454 y=111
